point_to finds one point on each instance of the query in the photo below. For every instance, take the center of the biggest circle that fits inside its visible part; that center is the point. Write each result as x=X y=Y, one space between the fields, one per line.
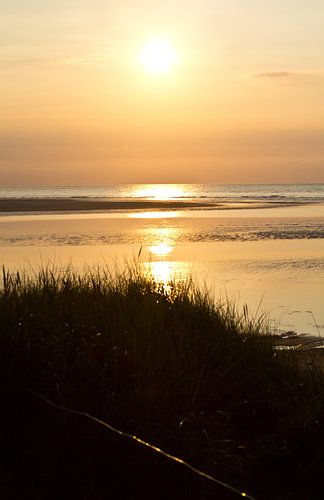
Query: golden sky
x=243 y=102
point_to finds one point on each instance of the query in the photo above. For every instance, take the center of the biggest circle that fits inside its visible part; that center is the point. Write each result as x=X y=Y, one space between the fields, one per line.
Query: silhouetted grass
x=167 y=364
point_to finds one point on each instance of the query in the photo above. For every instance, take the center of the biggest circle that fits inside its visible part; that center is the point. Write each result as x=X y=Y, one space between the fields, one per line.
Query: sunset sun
x=158 y=56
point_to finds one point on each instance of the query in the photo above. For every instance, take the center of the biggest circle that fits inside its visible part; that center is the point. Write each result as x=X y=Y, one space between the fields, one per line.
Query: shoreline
x=43 y=205
x=85 y=205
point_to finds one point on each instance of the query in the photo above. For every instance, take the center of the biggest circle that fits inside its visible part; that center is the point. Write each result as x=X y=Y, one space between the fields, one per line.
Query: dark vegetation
x=167 y=365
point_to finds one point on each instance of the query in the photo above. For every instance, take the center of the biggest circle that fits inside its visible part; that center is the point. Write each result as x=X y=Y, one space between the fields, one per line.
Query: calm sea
x=272 y=254
x=283 y=194
x=270 y=222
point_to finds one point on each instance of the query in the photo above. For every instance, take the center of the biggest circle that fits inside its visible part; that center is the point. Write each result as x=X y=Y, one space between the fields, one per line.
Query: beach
x=261 y=247
x=86 y=205
x=162 y=250
x=270 y=259
x=38 y=205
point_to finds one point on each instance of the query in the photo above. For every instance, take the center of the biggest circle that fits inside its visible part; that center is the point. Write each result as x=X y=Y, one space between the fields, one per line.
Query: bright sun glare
x=161 y=249
x=158 y=56
x=163 y=192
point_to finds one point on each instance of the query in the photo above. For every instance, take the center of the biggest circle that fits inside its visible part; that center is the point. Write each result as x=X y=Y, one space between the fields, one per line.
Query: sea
x=223 y=193
x=260 y=246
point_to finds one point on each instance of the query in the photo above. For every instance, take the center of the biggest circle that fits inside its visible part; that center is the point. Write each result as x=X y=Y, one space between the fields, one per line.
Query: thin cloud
x=8 y=63
x=315 y=77
x=91 y=60
x=276 y=75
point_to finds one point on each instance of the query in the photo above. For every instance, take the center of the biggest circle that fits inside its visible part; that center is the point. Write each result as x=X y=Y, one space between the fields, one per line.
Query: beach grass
x=167 y=364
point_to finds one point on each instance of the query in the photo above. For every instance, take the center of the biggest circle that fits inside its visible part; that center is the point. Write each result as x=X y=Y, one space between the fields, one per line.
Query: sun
x=158 y=56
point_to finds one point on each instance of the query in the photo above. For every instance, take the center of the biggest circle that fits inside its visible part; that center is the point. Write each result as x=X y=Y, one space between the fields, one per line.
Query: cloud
x=302 y=78
x=275 y=75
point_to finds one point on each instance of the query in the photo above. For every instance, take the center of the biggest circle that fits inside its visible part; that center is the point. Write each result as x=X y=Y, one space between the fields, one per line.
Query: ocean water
x=285 y=212
x=283 y=194
x=171 y=229
x=263 y=244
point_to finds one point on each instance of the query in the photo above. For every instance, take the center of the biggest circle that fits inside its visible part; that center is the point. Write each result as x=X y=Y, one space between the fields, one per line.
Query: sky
x=244 y=101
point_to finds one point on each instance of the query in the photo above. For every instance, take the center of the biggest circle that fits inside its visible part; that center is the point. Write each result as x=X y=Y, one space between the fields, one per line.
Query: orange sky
x=243 y=103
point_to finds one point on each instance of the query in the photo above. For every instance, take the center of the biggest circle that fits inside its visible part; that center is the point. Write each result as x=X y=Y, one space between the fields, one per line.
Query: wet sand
x=80 y=205
x=282 y=277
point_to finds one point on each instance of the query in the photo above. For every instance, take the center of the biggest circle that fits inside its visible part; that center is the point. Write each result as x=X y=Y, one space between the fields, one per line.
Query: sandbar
x=79 y=205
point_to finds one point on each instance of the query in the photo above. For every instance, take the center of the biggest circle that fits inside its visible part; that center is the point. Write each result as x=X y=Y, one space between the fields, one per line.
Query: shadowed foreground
x=167 y=365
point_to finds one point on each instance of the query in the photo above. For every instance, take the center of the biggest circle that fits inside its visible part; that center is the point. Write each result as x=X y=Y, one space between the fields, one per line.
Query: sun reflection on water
x=154 y=215
x=160 y=239
x=163 y=235
x=167 y=272
x=161 y=249
x=163 y=270
x=161 y=191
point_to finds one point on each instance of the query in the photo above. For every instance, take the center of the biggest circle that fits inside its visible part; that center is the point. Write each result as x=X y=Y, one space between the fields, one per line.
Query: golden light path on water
x=163 y=237
x=160 y=266
x=286 y=275
x=154 y=215
x=161 y=249
x=161 y=270
x=162 y=192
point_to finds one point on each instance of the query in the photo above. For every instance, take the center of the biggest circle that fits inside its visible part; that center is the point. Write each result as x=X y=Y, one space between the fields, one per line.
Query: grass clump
x=167 y=364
